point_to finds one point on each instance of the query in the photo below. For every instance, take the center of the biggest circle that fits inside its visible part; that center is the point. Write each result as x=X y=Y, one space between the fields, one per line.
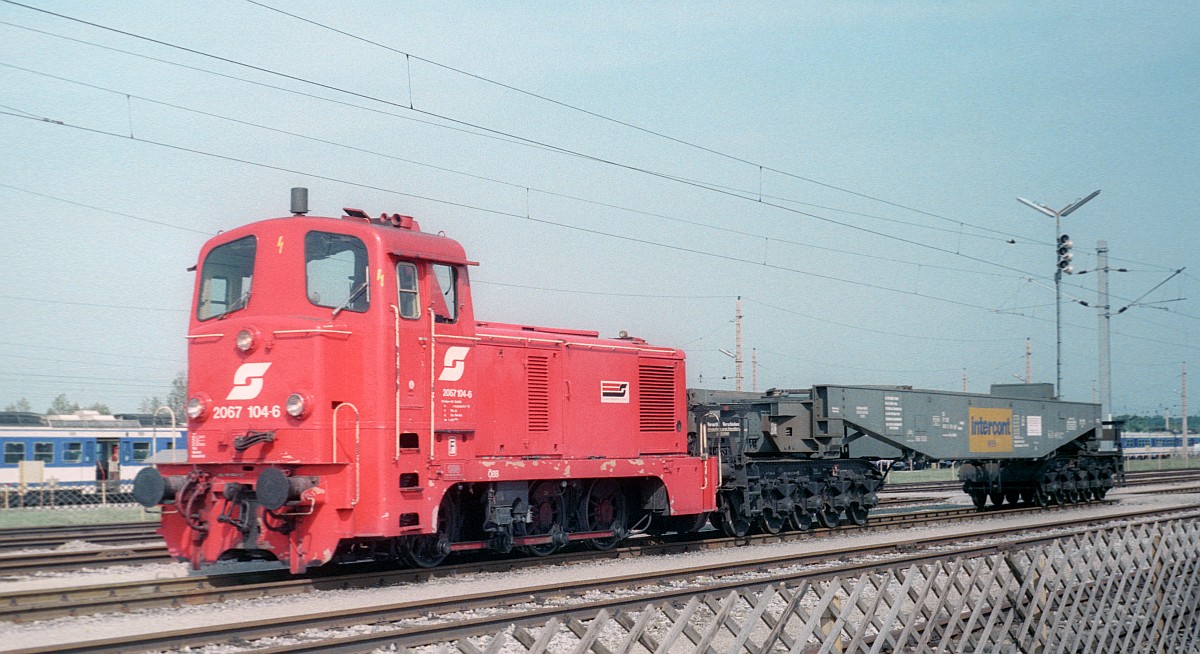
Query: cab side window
x=409 y=299
x=445 y=288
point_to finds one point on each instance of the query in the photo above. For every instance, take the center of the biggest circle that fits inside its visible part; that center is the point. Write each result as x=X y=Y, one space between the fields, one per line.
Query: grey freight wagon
x=798 y=456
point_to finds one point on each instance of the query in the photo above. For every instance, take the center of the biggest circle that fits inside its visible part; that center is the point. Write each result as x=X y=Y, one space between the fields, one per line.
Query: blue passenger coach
x=82 y=450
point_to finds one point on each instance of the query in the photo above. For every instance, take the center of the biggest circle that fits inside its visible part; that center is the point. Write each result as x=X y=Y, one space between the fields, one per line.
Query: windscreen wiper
x=353 y=296
x=239 y=304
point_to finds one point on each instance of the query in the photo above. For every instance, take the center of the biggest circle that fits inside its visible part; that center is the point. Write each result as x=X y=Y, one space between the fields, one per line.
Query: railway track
x=127 y=596
x=1142 y=478
x=51 y=537
x=147 y=547
x=569 y=600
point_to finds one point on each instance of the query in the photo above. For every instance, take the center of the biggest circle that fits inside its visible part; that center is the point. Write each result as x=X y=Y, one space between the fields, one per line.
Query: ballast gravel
x=62 y=631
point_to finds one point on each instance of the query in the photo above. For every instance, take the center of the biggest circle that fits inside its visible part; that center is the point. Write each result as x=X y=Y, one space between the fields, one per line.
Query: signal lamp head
x=297 y=405
x=246 y=340
x=197 y=407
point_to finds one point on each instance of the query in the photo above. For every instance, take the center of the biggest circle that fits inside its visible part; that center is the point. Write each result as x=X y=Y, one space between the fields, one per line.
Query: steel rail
x=30 y=605
x=27 y=538
x=770 y=569
x=35 y=562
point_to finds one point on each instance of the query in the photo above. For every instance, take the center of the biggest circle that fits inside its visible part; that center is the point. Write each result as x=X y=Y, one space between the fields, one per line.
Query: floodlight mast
x=1059 y=269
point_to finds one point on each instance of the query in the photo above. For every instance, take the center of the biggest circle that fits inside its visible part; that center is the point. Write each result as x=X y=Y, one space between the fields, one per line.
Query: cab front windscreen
x=225 y=278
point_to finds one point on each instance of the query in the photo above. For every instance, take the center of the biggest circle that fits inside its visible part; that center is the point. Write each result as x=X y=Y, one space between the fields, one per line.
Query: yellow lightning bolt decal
x=379 y=276
x=279 y=244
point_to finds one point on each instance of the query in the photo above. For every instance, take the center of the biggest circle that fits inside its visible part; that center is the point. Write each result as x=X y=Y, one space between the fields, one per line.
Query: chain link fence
x=51 y=495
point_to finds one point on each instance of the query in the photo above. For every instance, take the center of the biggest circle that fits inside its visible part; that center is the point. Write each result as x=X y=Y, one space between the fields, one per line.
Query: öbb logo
x=454 y=364
x=248 y=381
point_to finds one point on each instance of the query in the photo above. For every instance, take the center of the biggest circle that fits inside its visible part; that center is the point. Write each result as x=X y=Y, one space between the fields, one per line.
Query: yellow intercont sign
x=991 y=429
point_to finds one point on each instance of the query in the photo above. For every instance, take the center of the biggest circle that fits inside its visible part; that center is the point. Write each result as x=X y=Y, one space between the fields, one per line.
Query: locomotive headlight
x=246 y=340
x=297 y=405
x=197 y=407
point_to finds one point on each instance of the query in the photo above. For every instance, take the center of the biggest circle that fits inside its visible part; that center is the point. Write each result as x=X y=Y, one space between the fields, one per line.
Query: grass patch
x=68 y=516
x=919 y=476
x=1173 y=463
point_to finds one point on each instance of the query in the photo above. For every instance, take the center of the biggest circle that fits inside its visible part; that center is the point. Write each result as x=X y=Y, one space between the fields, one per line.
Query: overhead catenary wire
x=562 y=150
x=656 y=133
x=509 y=214
x=832 y=209
x=509 y=184
x=526 y=217
x=517 y=139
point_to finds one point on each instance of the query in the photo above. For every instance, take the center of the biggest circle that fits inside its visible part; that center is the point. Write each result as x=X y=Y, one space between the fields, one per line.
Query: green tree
x=62 y=406
x=176 y=399
x=99 y=407
x=20 y=405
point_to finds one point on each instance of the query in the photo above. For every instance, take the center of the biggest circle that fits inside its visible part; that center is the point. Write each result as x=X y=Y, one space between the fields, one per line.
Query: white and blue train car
x=87 y=450
x=1157 y=445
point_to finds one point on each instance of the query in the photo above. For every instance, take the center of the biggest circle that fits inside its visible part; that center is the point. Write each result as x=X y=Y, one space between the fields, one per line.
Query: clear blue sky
x=857 y=184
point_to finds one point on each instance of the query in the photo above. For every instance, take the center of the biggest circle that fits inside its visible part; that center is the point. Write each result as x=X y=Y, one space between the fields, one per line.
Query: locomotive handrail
x=396 y=311
x=313 y=330
x=154 y=429
x=213 y=335
x=552 y=341
x=357 y=452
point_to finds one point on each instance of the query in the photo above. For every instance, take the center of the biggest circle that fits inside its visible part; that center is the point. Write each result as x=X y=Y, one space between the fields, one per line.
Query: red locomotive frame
x=345 y=403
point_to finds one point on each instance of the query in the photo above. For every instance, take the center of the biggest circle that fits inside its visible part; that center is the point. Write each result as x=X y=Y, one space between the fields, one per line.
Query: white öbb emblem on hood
x=454 y=364
x=248 y=381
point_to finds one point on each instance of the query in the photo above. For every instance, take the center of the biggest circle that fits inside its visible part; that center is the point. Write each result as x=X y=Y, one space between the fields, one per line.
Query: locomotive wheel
x=1041 y=498
x=1099 y=492
x=979 y=499
x=604 y=510
x=857 y=513
x=546 y=511
x=429 y=550
x=996 y=497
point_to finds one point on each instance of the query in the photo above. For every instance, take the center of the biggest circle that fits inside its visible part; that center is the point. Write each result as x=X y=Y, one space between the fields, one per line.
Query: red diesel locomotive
x=345 y=404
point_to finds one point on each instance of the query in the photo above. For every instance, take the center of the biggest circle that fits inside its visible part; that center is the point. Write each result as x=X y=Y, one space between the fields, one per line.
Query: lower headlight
x=196 y=408
x=297 y=405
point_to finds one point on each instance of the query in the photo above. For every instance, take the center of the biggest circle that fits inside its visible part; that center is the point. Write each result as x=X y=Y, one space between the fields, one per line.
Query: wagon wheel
x=857 y=513
x=604 y=510
x=979 y=499
x=800 y=518
x=429 y=550
x=546 y=513
x=829 y=516
x=729 y=516
x=772 y=520
x=1012 y=496
x=997 y=497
